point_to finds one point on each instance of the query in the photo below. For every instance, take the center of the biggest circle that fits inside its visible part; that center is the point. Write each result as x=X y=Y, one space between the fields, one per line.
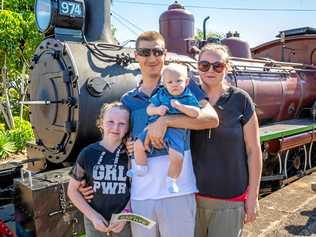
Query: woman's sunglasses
x=217 y=67
x=146 y=52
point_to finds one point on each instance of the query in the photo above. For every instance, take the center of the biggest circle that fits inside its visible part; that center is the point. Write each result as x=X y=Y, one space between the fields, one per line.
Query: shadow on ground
x=309 y=229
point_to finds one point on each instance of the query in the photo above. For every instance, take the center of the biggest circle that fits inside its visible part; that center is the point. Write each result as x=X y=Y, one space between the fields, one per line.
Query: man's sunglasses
x=146 y=52
x=217 y=67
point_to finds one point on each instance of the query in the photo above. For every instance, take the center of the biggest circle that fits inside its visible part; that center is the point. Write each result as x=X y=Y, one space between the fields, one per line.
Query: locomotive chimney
x=98 y=21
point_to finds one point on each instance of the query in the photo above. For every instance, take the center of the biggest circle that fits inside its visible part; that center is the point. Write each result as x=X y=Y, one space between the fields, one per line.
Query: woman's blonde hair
x=106 y=107
x=216 y=48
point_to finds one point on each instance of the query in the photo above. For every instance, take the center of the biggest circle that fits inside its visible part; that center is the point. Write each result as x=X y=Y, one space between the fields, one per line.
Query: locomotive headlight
x=43 y=13
x=60 y=16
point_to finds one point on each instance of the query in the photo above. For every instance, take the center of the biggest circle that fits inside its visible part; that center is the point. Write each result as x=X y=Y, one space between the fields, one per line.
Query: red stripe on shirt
x=240 y=198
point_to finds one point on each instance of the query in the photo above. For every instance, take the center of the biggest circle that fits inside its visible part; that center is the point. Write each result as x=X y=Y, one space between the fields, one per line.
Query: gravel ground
x=290 y=211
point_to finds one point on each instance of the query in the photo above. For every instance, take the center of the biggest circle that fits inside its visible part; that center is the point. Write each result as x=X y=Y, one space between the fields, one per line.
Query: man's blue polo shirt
x=137 y=101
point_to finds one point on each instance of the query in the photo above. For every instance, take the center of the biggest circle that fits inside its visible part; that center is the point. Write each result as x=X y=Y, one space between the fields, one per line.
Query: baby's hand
x=162 y=110
x=175 y=103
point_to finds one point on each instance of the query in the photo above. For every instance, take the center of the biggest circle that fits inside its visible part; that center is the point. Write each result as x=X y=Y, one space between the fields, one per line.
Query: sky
x=255 y=27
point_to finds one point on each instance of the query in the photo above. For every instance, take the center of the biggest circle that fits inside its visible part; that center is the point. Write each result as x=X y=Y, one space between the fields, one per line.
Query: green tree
x=18 y=34
x=20 y=6
x=18 y=39
x=199 y=35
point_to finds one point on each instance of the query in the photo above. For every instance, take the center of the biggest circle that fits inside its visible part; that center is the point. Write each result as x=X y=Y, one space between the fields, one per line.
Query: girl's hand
x=99 y=223
x=117 y=227
x=130 y=146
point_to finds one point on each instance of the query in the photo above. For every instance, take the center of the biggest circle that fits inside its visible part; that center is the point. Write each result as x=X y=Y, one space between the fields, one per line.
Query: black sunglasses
x=217 y=67
x=146 y=52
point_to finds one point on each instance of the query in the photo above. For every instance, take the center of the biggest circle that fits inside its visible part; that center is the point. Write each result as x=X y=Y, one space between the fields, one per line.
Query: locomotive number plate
x=70 y=8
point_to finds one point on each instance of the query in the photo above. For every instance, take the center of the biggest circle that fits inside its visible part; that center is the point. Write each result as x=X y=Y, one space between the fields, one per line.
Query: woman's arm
x=207 y=119
x=253 y=149
x=98 y=221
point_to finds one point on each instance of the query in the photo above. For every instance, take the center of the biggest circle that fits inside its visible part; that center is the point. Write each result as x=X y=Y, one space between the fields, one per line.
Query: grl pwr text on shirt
x=109 y=179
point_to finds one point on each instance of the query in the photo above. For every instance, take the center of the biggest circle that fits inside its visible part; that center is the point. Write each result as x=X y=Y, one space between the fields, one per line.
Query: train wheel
x=280 y=163
x=295 y=161
x=272 y=164
x=312 y=156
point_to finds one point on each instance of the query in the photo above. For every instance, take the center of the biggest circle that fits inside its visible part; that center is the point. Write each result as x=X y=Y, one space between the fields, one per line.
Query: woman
x=227 y=159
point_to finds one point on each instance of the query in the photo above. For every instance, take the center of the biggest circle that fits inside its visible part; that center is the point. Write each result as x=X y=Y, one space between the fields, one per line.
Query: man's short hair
x=150 y=36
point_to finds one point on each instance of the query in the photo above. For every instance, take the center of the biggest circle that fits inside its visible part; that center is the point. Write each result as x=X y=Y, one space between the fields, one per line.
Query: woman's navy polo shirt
x=219 y=155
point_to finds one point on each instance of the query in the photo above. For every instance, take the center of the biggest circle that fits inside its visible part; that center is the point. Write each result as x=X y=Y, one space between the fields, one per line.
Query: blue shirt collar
x=137 y=92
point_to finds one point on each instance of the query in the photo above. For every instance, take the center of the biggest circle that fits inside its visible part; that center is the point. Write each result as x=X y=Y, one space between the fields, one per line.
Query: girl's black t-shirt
x=106 y=173
x=219 y=154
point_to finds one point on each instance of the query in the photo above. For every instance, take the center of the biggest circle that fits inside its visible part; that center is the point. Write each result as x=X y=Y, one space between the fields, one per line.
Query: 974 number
x=70 y=8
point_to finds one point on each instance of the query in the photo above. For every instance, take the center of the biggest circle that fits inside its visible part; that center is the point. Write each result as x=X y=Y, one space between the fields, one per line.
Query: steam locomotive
x=78 y=67
x=70 y=80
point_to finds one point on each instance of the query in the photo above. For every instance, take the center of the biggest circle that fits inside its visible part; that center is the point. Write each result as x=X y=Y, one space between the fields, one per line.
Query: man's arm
x=207 y=119
x=253 y=149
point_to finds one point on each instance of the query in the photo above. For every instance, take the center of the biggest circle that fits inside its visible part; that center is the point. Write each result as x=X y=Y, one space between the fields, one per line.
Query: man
x=174 y=213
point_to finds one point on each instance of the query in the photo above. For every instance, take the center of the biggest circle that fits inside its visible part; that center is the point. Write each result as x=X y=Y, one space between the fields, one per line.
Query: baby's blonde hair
x=177 y=68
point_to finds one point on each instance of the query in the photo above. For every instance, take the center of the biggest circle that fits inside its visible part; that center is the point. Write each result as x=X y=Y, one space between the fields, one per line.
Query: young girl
x=104 y=165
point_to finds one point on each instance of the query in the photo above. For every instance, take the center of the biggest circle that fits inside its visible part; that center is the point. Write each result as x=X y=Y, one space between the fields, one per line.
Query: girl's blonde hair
x=219 y=49
x=106 y=107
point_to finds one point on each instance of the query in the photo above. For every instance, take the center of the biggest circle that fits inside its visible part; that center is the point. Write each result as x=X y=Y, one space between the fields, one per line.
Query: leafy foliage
x=21 y=134
x=15 y=140
x=11 y=31
x=199 y=35
x=2 y=126
x=6 y=145
x=19 y=5
x=18 y=40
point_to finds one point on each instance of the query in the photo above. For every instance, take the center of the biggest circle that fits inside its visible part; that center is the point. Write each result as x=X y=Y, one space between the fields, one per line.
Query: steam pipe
x=98 y=21
x=204 y=27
